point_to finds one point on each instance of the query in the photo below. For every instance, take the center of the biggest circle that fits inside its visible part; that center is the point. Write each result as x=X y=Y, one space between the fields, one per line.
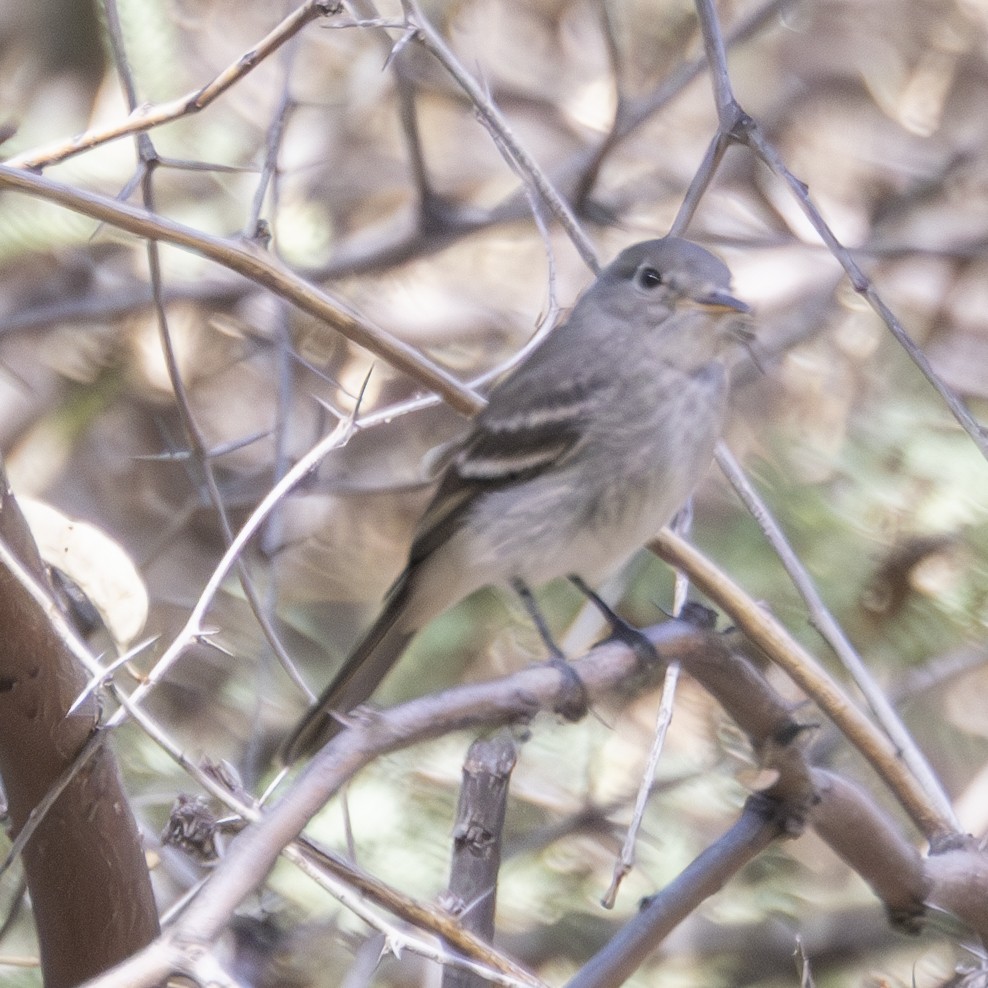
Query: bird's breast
x=636 y=466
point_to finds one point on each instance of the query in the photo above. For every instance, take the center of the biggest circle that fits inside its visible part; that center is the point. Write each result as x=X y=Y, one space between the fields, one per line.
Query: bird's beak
x=718 y=301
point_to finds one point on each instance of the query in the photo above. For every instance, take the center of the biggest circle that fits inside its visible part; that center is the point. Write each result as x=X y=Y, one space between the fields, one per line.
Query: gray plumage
x=582 y=454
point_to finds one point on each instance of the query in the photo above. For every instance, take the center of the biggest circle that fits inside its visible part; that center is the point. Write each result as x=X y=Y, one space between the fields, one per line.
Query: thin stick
x=627 y=859
x=493 y=118
x=739 y=126
x=193 y=626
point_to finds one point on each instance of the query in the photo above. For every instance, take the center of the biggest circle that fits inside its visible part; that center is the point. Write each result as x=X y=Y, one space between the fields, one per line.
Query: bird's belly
x=561 y=529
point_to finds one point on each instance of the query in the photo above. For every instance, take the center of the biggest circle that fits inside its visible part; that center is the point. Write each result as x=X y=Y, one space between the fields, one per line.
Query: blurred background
x=877 y=105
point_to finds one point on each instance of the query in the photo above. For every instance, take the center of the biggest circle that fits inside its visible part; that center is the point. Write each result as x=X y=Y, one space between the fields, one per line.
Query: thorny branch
x=736 y=125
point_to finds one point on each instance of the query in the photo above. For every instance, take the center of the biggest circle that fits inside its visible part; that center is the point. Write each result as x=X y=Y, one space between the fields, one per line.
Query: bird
x=581 y=454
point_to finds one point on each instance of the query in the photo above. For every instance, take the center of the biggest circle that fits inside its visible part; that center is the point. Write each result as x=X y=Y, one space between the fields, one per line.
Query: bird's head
x=677 y=290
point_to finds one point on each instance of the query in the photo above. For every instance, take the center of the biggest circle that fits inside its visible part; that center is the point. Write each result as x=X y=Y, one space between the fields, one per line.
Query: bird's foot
x=572 y=702
x=621 y=630
x=699 y=615
x=635 y=639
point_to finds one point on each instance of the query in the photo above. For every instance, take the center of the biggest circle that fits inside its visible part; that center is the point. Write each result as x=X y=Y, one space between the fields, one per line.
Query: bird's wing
x=523 y=431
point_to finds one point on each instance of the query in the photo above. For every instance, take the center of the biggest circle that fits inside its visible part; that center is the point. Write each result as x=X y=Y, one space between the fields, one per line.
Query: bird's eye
x=649 y=278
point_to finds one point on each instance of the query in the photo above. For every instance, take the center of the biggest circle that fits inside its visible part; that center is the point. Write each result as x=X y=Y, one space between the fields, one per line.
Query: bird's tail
x=367 y=665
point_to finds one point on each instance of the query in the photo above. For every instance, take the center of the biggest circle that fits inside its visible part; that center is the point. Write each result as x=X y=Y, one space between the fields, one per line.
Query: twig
x=193 y=625
x=699 y=184
x=144 y=118
x=276 y=132
x=493 y=118
x=750 y=835
x=863 y=286
x=627 y=858
x=739 y=126
x=682 y=524
x=436 y=216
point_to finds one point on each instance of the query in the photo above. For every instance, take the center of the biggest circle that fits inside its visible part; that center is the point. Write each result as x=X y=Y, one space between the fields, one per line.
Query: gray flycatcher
x=583 y=452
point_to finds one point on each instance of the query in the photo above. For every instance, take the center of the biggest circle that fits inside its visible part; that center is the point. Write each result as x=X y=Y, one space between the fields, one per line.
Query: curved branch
x=247 y=259
x=804 y=669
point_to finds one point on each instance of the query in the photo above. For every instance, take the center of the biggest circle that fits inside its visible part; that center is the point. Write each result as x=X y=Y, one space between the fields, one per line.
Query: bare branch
x=739 y=126
x=246 y=259
x=145 y=118
x=496 y=122
x=751 y=834
x=477 y=837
